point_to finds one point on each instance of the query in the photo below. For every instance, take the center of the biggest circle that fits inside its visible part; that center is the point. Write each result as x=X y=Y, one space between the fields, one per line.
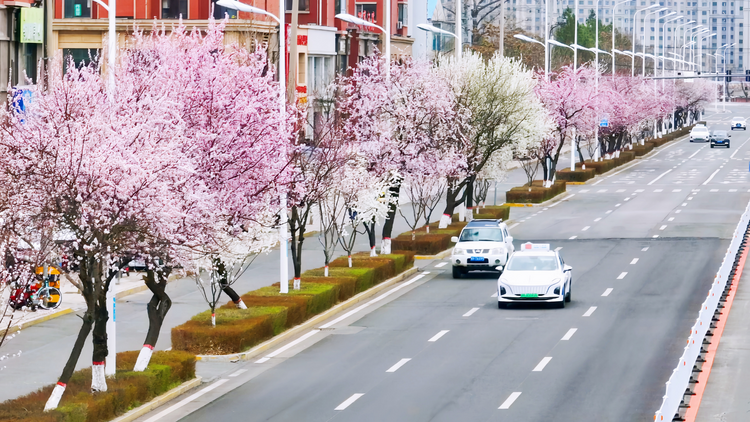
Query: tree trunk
x=385 y=246
x=297 y=225
x=99 y=339
x=451 y=202
x=157 y=309
x=469 y=195
x=370 y=229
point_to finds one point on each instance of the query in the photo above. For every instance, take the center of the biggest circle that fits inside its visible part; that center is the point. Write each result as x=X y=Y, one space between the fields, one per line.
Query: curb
x=310 y=323
x=159 y=401
x=441 y=255
x=53 y=315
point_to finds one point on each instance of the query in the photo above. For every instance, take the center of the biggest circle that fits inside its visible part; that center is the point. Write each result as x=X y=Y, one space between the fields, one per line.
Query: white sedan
x=738 y=123
x=535 y=274
x=699 y=133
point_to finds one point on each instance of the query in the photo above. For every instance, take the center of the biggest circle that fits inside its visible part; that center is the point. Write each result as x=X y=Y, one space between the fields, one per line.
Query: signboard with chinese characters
x=32 y=25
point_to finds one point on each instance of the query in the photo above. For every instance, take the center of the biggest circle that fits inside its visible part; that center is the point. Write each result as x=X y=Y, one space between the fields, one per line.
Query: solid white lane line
x=539 y=367
x=287 y=347
x=710 y=177
x=696 y=152
x=607 y=292
x=585 y=228
x=237 y=373
x=557 y=249
x=737 y=150
x=590 y=311
x=398 y=364
x=663 y=227
x=349 y=401
x=437 y=336
x=644 y=249
x=598 y=219
x=513 y=225
x=659 y=177
x=596 y=183
x=572 y=237
x=509 y=401
x=471 y=311
x=185 y=401
x=377 y=299
x=634 y=261
x=442 y=264
x=670 y=219
x=569 y=334
x=564 y=199
x=622 y=275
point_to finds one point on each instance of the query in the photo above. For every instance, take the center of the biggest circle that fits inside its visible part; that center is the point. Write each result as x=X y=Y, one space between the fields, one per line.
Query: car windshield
x=720 y=133
x=700 y=129
x=482 y=235
x=532 y=263
x=738 y=119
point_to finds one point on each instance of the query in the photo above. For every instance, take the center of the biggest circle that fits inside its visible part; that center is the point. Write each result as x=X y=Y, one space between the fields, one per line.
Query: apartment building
x=22 y=36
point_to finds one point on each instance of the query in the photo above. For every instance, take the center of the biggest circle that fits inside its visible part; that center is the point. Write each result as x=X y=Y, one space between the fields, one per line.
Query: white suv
x=699 y=133
x=483 y=245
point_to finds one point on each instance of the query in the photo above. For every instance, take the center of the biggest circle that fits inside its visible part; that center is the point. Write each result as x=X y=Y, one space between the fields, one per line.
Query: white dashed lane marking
x=509 y=401
x=437 y=336
x=349 y=401
x=398 y=364
x=590 y=311
x=471 y=312
x=569 y=334
x=441 y=264
x=634 y=261
x=607 y=292
x=622 y=275
x=540 y=366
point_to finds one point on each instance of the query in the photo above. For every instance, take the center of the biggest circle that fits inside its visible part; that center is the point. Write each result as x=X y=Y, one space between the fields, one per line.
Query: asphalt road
x=644 y=243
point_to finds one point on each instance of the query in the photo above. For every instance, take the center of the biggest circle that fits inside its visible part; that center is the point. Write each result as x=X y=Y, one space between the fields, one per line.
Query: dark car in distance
x=720 y=138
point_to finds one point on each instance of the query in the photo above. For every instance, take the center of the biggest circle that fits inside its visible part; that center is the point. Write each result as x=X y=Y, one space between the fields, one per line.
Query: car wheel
x=457 y=272
x=560 y=304
x=502 y=305
x=712 y=146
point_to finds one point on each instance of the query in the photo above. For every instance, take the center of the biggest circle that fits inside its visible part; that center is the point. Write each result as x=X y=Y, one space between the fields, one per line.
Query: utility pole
x=291 y=86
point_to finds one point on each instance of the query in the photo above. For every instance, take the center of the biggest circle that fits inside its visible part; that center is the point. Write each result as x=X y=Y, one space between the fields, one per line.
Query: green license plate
x=529 y=295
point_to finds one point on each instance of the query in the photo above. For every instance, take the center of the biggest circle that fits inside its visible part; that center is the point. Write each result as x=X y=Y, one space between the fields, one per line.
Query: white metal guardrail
x=678 y=382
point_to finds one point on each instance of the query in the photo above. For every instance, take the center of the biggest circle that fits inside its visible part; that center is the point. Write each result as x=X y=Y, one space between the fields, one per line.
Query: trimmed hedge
x=578 y=176
x=602 y=166
x=423 y=243
x=641 y=150
x=126 y=391
x=625 y=157
x=494 y=212
x=269 y=312
x=536 y=194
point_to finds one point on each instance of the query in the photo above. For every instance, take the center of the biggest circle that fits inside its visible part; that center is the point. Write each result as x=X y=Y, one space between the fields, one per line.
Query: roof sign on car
x=535 y=246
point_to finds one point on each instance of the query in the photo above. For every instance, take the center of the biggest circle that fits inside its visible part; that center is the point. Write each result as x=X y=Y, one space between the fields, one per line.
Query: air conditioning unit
x=399 y=25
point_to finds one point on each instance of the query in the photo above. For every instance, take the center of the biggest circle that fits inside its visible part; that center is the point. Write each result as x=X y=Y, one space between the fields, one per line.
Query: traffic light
x=729 y=78
x=747 y=75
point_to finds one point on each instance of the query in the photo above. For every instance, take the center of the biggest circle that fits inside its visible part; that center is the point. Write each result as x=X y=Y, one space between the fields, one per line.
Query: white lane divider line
x=634 y=261
x=185 y=401
x=597 y=220
x=670 y=219
x=237 y=373
x=609 y=211
x=471 y=312
x=617 y=205
x=585 y=228
x=639 y=190
x=696 y=152
x=732 y=190
x=684 y=204
x=398 y=364
x=440 y=265
x=569 y=334
x=628 y=199
x=620 y=190
x=583 y=191
x=655 y=236
x=690 y=198
x=663 y=227
x=658 y=190
x=659 y=177
x=557 y=249
x=377 y=299
x=494 y=294
x=622 y=275
x=572 y=237
x=710 y=177
x=590 y=311
x=677 y=190
x=514 y=225
x=607 y=292
x=349 y=401
x=509 y=401
x=437 y=336
x=601 y=191
x=644 y=249
x=542 y=364
x=714 y=190
x=678 y=211
x=286 y=347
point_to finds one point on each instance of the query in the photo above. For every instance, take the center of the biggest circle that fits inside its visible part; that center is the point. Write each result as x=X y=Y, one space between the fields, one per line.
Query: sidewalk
x=727 y=394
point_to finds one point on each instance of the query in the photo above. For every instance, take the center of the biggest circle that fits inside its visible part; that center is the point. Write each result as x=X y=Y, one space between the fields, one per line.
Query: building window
x=174 y=9
x=403 y=14
x=220 y=12
x=77 y=8
x=366 y=11
x=80 y=57
x=304 y=5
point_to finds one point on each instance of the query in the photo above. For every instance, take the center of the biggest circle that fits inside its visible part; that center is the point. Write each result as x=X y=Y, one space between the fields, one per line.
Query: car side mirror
x=567 y=268
x=454 y=239
x=510 y=238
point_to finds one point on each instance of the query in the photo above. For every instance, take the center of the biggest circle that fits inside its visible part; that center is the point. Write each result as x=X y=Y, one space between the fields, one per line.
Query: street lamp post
x=645 y=37
x=614 y=6
x=674 y=45
x=635 y=24
x=664 y=44
x=546 y=48
x=433 y=29
x=357 y=21
x=655 y=41
x=700 y=49
x=686 y=37
x=694 y=40
x=283 y=235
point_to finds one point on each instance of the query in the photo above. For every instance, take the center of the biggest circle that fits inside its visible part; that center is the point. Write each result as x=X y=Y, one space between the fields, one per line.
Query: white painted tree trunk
x=98 y=379
x=54 y=398
x=385 y=247
x=297 y=283
x=462 y=212
x=350 y=261
x=373 y=252
x=427 y=227
x=144 y=357
x=326 y=271
x=240 y=304
x=445 y=220
x=213 y=320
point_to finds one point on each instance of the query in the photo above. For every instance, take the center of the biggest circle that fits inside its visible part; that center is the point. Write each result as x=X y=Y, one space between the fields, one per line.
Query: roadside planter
x=536 y=194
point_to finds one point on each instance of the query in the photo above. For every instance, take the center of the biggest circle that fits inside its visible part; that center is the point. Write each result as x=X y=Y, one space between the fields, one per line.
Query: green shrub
x=602 y=166
x=536 y=194
x=229 y=313
x=578 y=176
x=126 y=391
x=320 y=296
x=365 y=276
x=497 y=211
x=231 y=337
x=383 y=268
x=403 y=260
x=641 y=150
x=423 y=244
x=347 y=285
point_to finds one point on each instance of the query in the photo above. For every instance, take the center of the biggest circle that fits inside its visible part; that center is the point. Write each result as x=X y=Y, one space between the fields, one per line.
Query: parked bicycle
x=45 y=293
